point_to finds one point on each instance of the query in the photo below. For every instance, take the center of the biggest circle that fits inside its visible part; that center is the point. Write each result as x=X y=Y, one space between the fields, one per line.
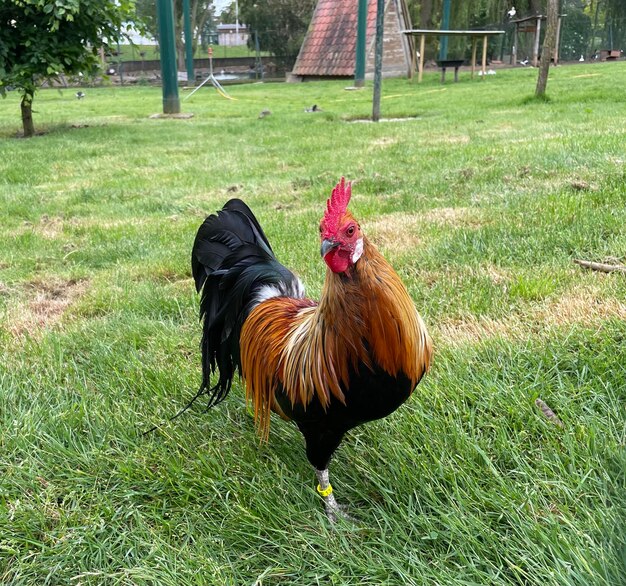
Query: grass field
x=151 y=52
x=481 y=201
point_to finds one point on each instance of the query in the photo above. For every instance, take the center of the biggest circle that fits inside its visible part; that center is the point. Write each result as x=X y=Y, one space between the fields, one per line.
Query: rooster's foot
x=335 y=512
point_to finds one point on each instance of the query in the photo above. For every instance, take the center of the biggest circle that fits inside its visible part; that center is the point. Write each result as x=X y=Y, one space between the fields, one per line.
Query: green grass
x=151 y=52
x=481 y=203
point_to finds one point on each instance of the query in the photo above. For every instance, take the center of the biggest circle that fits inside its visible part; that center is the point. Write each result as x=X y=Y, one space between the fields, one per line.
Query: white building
x=232 y=35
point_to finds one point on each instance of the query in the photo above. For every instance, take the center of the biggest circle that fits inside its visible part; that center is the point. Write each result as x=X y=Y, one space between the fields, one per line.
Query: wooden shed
x=329 y=48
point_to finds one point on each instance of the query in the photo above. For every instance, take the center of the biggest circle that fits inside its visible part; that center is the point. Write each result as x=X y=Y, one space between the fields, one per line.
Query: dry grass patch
x=396 y=232
x=497 y=275
x=384 y=141
x=455 y=217
x=400 y=231
x=471 y=330
x=447 y=139
x=584 y=306
x=43 y=305
x=47 y=227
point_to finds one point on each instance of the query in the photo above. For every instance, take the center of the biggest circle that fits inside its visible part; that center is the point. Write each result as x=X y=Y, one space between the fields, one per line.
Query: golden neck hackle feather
x=364 y=317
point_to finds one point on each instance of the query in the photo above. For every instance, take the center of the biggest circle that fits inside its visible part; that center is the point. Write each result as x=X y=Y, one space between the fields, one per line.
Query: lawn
x=480 y=197
x=151 y=52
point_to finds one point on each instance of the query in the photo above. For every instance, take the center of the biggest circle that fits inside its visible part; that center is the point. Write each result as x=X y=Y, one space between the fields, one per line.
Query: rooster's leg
x=334 y=510
x=321 y=442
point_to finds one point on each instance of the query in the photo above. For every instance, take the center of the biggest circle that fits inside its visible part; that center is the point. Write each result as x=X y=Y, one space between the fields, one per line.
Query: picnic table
x=475 y=35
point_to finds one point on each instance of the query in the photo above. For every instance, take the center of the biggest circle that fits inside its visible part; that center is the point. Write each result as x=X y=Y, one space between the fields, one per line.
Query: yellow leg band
x=325 y=491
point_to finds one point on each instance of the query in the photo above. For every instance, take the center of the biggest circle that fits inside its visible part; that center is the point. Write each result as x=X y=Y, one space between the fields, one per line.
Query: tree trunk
x=548 y=47
x=27 y=115
x=535 y=6
x=426 y=12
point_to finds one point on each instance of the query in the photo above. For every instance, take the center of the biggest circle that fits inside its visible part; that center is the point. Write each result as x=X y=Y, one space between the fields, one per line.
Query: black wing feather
x=231 y=260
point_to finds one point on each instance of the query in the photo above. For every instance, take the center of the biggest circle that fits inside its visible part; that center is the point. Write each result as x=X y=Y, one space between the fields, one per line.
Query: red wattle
x=338 y=260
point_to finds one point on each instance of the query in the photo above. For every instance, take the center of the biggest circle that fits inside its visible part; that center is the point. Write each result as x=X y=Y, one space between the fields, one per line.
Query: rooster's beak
x=327 y=246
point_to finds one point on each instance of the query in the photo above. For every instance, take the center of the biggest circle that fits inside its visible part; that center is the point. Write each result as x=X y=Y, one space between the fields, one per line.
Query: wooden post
x=378 y=59
x=556 y=43
x=421 y=59
x=536 y=47
x=514 y=48
x=484 y=56
x=473 y=56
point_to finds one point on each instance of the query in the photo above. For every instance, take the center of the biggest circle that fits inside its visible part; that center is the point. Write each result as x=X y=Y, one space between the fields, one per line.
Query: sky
x=221 y=4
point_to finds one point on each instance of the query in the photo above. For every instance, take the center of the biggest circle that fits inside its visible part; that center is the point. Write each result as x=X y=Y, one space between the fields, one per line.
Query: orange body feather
x=307 y=349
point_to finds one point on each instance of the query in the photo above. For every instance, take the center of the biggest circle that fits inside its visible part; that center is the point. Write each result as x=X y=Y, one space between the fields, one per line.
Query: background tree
x=280 y=24
x=202 y=12
x=228 y=15
x=575 y=31
x=615 y=24
x=548 y=47
x=44 y=39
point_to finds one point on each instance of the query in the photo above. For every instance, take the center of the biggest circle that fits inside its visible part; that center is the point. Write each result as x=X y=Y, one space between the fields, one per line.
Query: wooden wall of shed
x=396 y=48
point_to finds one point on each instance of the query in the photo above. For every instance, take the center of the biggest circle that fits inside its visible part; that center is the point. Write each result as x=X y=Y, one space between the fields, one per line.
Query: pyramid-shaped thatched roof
x=329 y=48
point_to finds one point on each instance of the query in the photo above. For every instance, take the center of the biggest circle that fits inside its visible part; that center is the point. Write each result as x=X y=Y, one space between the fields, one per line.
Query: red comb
x=336 y=206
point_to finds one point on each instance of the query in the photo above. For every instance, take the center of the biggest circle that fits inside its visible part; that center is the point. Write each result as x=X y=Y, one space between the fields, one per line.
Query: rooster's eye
x=350 y=231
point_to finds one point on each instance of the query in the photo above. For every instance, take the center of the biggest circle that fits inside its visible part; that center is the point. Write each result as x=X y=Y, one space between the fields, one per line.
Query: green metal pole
x=378 y=59
x=167 y=47
x=361 y=30
x=188 y=43
x=445 y=25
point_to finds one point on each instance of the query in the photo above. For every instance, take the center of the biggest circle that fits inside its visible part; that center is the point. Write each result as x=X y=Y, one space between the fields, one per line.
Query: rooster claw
x=335 y=512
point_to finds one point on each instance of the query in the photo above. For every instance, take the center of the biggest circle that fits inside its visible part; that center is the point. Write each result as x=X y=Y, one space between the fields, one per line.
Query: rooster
x=354 y=356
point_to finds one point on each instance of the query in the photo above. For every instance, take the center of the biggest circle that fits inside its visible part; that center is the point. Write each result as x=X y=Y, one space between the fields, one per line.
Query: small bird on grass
x=80 y=95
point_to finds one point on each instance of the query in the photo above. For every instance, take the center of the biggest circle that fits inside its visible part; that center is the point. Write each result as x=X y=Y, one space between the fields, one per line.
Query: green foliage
x=280 y=24
x=42 y=39
x=589 y=25
x=202 y=13
x=575 y=33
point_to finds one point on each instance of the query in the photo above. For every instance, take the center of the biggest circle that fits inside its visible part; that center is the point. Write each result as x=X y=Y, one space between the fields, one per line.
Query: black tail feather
x=231 y=260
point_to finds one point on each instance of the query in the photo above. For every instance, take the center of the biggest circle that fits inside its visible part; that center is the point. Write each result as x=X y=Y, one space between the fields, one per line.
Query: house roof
x=329 y=48
x=221 y=28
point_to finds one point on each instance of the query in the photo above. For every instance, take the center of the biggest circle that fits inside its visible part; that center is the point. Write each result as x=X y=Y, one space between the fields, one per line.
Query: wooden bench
x=444 y=63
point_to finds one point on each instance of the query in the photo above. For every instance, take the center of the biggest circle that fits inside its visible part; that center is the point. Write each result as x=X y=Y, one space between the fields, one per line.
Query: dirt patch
x=44 y=304
x=50 y=227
